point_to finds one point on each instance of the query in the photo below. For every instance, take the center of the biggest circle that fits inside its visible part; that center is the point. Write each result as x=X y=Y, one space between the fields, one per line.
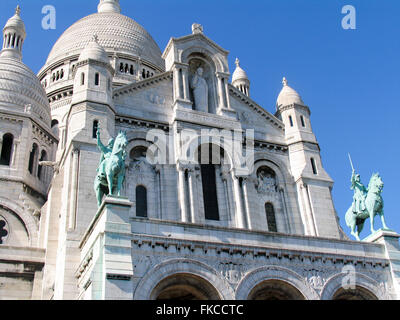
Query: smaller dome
x=239 y=73
x=16 y=22
x=94 y=51
x=288 y=96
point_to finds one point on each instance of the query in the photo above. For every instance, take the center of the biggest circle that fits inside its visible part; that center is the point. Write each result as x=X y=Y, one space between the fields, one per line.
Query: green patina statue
x=111 y=171
x=367 y=203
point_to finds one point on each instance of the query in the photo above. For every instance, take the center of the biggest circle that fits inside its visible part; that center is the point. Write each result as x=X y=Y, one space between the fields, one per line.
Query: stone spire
x=13 y=36
x=288 y=96
x=109 y=6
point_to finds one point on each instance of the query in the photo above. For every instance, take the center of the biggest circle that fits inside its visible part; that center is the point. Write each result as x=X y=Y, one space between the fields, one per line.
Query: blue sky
x=348 y=78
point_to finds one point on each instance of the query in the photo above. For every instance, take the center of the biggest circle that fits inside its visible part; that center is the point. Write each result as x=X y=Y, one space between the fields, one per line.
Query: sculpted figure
x=266 y=182
x=367 y=203
x=360 y=192
x=111 y=170
x=200 y=91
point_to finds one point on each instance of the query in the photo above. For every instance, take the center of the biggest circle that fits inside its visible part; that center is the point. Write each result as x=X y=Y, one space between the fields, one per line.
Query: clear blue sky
x=348 y=78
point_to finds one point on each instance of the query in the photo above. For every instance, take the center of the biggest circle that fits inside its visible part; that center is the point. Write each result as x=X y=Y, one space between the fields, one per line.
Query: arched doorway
x=275 y=290
x=184 y=286
x=358 y=293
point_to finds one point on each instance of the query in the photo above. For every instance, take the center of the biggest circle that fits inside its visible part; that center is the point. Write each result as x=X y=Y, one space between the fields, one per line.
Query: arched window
x=82 y=78
x=121 y=67
x=94 y=129
x=270 y=213
x=97 y=79
x=131 y=71
x=314 y=166
x=141 y=202
x=291 y=121
x=6 y=149
x=54 y=127
x=43 y=157
x=209 y=157
x=303 y=124
x=32 y=158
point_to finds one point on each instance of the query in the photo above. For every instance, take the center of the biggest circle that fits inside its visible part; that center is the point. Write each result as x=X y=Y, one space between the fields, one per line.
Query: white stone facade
x=272 y=232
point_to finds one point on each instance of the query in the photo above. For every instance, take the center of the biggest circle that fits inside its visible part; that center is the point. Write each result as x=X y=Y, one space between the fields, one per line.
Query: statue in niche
x=266 y=182
x=200 y=91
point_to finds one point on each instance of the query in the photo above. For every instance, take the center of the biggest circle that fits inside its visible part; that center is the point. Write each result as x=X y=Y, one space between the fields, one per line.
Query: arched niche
x=197 y=61
x=356 y=293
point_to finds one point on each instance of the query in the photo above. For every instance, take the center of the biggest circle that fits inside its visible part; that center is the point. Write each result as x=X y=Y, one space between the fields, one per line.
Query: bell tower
x=314 y=185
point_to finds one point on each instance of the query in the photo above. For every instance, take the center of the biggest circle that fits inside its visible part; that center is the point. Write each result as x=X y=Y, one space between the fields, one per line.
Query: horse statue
x=111 y=171
x=367 y=203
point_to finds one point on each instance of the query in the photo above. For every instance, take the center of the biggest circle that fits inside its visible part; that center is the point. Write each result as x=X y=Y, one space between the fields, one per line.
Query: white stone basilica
x=181 y=230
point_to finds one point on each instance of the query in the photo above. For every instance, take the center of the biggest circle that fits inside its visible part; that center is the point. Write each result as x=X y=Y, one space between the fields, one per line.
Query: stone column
x=193 y=203
x=246 y=182
x=227 y=180
x=158 y=170
x=220 y=92
x=74 y=190
x=177 y=94
x=182 y=194
x=240 y=211
x=310 y=223
x=281 y=191
x=14 y=152
x=185 y=83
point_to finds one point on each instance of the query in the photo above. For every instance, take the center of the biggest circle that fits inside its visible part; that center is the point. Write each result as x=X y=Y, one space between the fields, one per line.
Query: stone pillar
x=281 y=191
x=246 y=182
x=182 y=194
x=107 y=245
x=220 y=92
x=14 y=152
x=390 y=240
x=158 y=169
x=227 y=180
x=185 y=84
x=193 y=203
x=240 y=212
x=309 y=217
x=74 y=190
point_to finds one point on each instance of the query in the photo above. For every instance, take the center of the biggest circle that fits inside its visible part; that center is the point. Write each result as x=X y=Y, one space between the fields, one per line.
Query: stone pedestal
x=390 y=240
x=106 y=268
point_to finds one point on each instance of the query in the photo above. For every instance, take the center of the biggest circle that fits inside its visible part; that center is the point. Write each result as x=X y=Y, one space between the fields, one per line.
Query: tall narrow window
x=6 y=150
x=314 y=166
x=291 y=121
x=141 y=202
x=270 y=212
x=303 y=124
x=43 y=157
x=82 y=78
x=94 y=130
x=32 y=158
x=209 y=182
x=96 y=79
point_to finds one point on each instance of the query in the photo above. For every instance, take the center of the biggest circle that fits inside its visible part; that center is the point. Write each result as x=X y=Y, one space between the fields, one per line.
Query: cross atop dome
x=18 y=10
x=237 y=62
x=284 y=82
x=109 y=6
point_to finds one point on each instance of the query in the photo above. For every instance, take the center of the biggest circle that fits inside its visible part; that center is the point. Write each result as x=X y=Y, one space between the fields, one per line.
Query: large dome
x=115 y=32
x=21 y=91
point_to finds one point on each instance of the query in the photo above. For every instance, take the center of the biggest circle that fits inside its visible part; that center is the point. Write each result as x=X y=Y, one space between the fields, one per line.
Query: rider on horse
x=360 y=193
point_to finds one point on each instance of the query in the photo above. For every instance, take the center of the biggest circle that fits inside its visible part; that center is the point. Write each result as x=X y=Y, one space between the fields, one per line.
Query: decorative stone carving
x=197 y=28
x=266 y=182
x=200 y=91
x=231 y=271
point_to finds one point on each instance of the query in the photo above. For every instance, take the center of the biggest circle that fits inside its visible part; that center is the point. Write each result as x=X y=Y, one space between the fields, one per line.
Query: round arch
x=28 y=220
x=218 y=64
x=271 y=277
x=366 y=287
x=172 y=272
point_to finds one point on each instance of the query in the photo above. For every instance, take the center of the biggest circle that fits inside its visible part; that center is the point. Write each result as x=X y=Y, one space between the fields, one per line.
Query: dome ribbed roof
x=115 y=32
x=19 y=88
x=94 y=51
x=239 y=73
x=288 y=96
